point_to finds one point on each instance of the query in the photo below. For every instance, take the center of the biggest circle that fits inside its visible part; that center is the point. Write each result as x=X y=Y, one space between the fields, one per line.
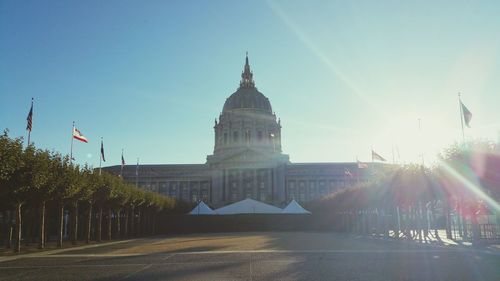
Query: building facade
x=247 y=161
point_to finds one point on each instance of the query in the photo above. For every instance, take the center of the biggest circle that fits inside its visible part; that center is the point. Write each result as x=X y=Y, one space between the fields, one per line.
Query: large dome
x=247 y=121
x=247 y=96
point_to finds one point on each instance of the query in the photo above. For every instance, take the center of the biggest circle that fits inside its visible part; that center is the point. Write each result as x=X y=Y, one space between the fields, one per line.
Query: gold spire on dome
x=247 y=76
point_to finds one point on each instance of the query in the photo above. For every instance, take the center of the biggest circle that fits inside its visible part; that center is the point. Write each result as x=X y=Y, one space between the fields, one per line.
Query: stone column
x=271 y=181
x=224 y=186
x=280 y=184
x=255 y=184
x=216 y=187
x=241 y=185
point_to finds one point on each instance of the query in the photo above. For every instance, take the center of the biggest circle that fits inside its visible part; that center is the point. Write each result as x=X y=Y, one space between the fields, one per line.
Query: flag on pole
x=467 y=114
x=78 y=135
x=376 y=156
x=102 y=152
x=29 y=126
x=137 y=168
x=361 y=165
x=123 y=160
x=347 y=173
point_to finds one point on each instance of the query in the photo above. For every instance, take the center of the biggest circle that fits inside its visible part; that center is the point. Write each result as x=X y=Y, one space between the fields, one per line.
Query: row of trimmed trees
x=414 y=201
x=40 y=184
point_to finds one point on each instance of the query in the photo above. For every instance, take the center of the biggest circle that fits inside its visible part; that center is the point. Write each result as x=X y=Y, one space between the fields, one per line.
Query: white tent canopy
x=294 y=208
x=202 y=209
x=248 y=206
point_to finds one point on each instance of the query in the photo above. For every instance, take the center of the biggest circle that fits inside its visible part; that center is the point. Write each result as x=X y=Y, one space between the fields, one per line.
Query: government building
x=247 y=161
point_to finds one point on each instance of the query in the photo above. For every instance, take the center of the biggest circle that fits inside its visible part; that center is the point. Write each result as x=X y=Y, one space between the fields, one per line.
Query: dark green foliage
x=31 y=178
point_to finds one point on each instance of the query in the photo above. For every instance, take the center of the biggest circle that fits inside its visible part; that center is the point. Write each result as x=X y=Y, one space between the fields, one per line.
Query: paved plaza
x=256 y=256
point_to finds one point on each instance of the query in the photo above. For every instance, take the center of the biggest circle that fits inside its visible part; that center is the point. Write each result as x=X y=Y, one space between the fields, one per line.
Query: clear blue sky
x=343 y=76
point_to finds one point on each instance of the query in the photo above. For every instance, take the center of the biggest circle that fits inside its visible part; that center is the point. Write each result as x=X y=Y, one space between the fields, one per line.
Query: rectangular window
x=184 y=190
x=163 y=189
x=247 y=136
x=302 y=194
x=235 y=136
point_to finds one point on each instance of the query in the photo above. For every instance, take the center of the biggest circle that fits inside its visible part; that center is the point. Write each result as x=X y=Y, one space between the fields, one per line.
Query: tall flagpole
x=71 y=151
x=137 y=173
x=399 y=155
x=461 y=117
x=421 y=137
x=393 y=158
x=100 y=158
x=372 y=153
x=459 y=211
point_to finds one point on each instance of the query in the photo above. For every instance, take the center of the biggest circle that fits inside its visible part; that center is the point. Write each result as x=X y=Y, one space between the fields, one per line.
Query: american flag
x=123 y=160
x=29 y=126
x=467 y=114
x=376 y=156
x=102 y=152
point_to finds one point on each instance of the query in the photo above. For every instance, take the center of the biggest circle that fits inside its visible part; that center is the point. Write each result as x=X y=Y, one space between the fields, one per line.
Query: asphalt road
x=332 y=265
x=392 y=263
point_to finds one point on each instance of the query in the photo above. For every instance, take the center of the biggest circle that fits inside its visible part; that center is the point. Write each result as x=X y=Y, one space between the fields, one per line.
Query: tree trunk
x=74 y=226
x=99 y=225
x=109 y=223
x=476 y=232
x=11 y=235
x=433 y=219
x=146 y=222
x=61 y=224
x=139 y=227
x=408 y=223
x=18 y=228
x=448 y=218
x=133 y=229
x=118 y=230
x=419 y=225
x=41 y=240
x=153 y=225
x=397 y=222
x=28 y=226
x=4 y=228
x=125 y=224
x=10 y=230
x=89 y=224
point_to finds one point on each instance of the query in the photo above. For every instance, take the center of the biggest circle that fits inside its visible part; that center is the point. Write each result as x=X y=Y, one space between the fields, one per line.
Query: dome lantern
x=247 y=76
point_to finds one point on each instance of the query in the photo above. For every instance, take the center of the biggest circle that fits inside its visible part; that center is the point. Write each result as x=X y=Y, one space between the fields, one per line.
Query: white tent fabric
x=294 y=208
x=202 y=209
x=248 y=206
